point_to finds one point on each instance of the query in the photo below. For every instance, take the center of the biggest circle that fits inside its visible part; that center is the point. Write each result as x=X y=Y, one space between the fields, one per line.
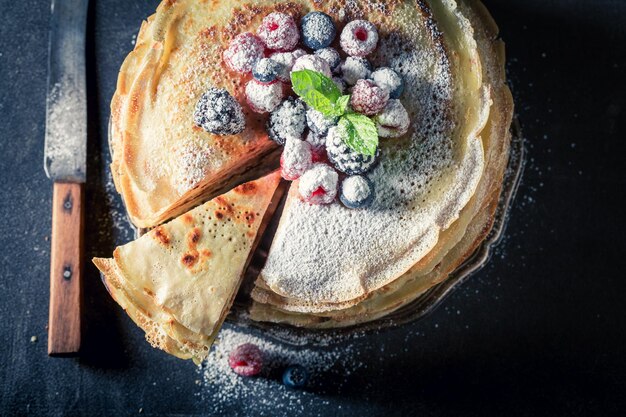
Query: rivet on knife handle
x=66 y=268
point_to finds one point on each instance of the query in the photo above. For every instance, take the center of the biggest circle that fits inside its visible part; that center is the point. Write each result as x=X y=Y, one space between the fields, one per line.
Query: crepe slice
x=178 y=281
x=163 y=164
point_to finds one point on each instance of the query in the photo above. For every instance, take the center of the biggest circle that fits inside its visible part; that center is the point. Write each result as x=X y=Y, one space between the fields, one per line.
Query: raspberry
x=263 y=98
x=318 y=185
x=331 y=56
x=359 y=38
x=313 y=63
x=318 y=30
x=266 y=70
x=368 y=98
x=296 y=158
x=279 y=32
x=219 y=113
x=354 y=69
x=243 y=52
x=318 y=149
x=246 y=360
x=342 y=157
x=288 y=120
x=357 y=192
x=389 y=80
x=393 y=121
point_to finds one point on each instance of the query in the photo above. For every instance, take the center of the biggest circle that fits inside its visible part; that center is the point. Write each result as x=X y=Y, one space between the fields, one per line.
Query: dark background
x=540 y=331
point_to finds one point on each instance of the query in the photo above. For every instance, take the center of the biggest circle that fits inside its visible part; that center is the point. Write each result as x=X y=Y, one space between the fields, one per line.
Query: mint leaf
x=362 y=133
x=316 y=90
x=341 y=105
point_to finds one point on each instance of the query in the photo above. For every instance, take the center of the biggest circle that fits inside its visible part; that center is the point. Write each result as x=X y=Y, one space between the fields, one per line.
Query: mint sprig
x=362 y=133
x=322 y=94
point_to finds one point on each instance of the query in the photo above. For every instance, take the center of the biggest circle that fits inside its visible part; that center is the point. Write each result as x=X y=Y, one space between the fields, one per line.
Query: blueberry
x=318 y=30
x=331 y=56
x=388 y=79
x=295 y=376
x=219 y=113
x=357 y=192
x=266 y=70
x=288 y=120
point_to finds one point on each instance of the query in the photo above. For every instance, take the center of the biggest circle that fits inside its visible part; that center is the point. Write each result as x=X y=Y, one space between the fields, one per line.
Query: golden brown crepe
x=437 y=187
x=178 y=281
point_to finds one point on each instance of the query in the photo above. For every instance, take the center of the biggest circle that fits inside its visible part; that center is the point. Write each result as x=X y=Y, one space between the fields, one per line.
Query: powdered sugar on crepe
x=418 y=194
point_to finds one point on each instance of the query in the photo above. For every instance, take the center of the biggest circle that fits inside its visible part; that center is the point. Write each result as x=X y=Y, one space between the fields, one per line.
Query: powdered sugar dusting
x=270 y=397
x=403 y=222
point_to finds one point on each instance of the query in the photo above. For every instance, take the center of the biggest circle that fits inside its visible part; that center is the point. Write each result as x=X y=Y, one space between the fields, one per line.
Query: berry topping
x=342 y=157
x=319 y=123
x=317 y=146
x=295 y=376
x=298 y=53
x=296 y=158
x=340 y=83
x=318 y=30
x=286 y=61
x=318 y=185
x=389 y=80
x=219 y=113
x=262 y=97
x=313 y=63
x=357 y=192
x=279 y=32
x=368 y=98
x=266 y=70
x=331 y=56
x=243 y=52
x=246 y=360
x=393 y=121
x=354 y=69
x=288 y=120
x=359 y=38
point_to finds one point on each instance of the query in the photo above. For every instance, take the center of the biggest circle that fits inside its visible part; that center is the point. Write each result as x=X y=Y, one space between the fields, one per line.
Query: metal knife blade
x=65 y=153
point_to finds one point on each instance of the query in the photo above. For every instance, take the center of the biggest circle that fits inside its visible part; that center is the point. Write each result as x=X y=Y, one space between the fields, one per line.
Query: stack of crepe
x=437 y=187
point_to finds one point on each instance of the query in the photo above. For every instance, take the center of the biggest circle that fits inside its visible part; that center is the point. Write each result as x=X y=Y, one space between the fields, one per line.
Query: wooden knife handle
x=66 y=269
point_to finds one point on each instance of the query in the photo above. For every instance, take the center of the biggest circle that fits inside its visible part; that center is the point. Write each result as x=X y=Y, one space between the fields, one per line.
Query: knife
x=65 y=161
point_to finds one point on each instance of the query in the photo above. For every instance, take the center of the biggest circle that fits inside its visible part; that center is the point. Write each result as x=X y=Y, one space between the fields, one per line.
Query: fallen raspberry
x=246 y=360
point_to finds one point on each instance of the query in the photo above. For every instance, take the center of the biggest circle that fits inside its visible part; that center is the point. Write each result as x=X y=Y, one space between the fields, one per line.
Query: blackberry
x=219 y=113
x=288 y=120
x=342 y=157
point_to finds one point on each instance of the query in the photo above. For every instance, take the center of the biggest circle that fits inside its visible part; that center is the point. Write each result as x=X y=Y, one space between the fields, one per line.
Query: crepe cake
x=433 y=188
x=178 y=281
